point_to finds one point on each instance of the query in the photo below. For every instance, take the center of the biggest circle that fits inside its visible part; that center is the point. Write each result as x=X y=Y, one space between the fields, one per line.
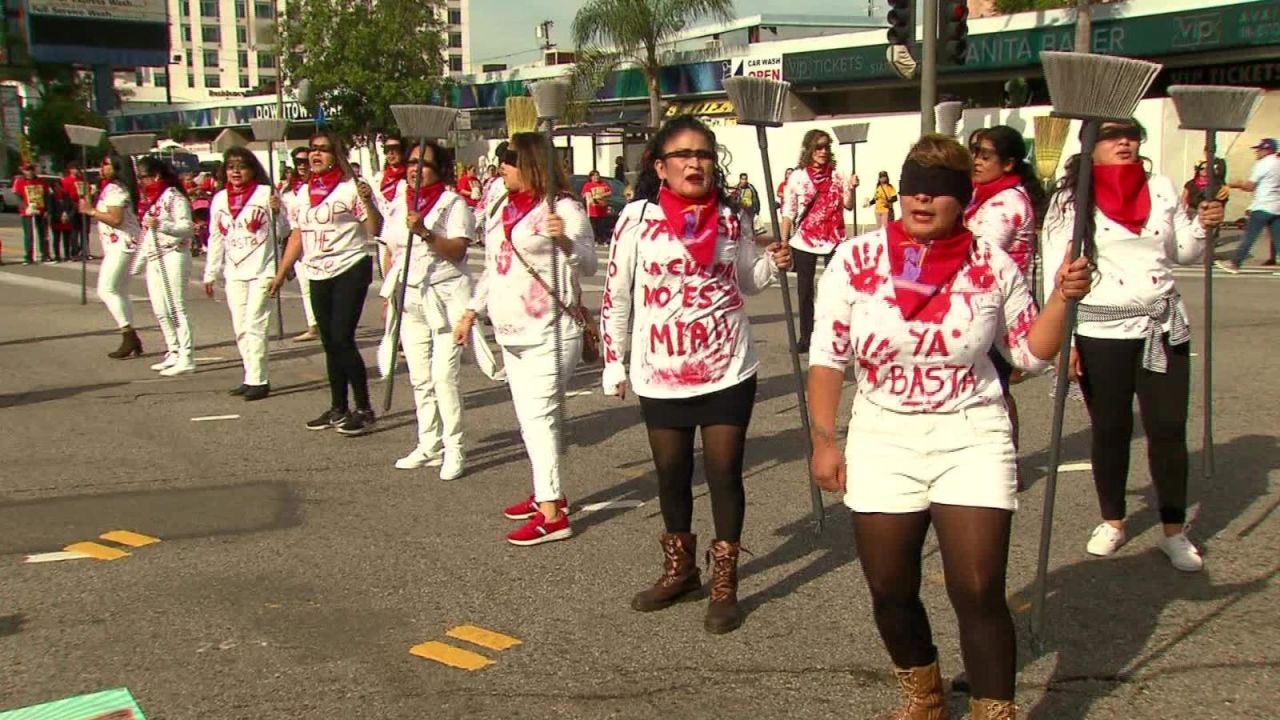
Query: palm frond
x=591 y=70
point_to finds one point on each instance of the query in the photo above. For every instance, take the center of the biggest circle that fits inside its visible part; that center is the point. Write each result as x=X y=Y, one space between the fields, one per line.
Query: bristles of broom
x=947 y=116
x=130 y=145
x=758 y=101
x=269 y=129
x=228 y=139
x=1096 y=87
x=1215 y=107
x=1051 y=136
x=521 y=115
x=852 y=133
x=551 y=98
x=424 y=122
x=84 y=136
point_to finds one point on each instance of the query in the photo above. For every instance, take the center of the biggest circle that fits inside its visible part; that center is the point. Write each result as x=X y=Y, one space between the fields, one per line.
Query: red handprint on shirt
x=863 y=271
x=257 y=221
x=980 y=273
x=873 y=360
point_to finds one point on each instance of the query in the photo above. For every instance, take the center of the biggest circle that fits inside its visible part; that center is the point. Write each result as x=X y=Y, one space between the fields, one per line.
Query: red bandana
x=237 y=198
x=319 y=186
x=915 y=281
x=149 y=195
x=519 y=204
x=102 y=187
x=391 y=175
x=825 y=217
x=693 y=223
x=983 y=192
x=1121 y=193
x=427 y=198
x=295 y=183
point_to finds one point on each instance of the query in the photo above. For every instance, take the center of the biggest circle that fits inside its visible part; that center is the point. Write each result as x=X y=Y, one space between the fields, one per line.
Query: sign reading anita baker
x=126 y=10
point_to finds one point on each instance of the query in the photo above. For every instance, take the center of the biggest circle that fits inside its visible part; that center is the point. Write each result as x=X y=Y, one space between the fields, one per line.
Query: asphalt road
x=296 y=569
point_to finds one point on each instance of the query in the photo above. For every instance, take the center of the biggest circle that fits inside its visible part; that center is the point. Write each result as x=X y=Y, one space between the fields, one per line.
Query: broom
x=1050 y=137
x=760 y=102
x=851 y=135
x=86 y=137
x=522 y=115
x=1090 y=88
x=1213 y=109
x=226 y=140
x=424 y=122
x=273 y=131
x=947 y=116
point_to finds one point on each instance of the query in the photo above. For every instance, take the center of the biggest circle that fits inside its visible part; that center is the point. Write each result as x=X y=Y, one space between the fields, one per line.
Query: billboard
x=96 y=32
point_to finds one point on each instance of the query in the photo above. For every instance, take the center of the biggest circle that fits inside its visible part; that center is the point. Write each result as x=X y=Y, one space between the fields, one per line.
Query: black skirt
x=730 y=406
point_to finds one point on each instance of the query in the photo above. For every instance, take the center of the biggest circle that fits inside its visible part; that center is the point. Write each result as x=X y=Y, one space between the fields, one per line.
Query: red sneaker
x=526 y=509
x=540 y=530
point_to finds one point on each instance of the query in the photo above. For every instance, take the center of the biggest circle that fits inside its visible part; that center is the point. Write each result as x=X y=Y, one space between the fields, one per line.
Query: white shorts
x=905 y=462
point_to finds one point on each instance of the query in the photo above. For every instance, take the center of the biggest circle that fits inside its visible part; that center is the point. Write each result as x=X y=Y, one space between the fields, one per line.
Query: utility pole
x=928 y=65
x=544 y=34
x=275 y=14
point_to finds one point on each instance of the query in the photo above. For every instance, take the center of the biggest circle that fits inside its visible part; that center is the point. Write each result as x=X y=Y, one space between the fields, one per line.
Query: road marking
x=96 y=551
x=577 y=393
x=210 y=418
x=611 y=505
x=128 y=537
x=210 y=359
x=483 y=638
x=451 y=656
x=1019 y=603
x=56 y=557
x=62 y=287
x=1075 y=467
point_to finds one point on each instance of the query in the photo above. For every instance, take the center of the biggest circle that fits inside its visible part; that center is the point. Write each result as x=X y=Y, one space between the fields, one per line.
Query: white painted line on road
x=612 y=505
x=210 y=418
x=1195 y=354
x=55 y=557
x=578 y=393
x=62 y=287
x=210 y=359
x=1075 y=467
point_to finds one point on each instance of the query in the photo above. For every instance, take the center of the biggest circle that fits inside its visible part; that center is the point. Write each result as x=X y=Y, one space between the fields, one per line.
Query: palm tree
x=613 y=33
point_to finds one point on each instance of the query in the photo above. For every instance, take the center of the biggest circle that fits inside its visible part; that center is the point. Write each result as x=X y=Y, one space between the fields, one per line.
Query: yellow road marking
x=128 y=537
x=96 y=551
x=1018 y=603
x=483 y=638
x=450 y=655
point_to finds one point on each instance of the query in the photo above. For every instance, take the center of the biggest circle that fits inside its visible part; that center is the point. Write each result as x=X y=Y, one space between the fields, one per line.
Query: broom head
x=269 y=129
x=522 y=115
x=757 y=101
x=429 y=122
x=947 y=116
x=84 y=135
x=130 y=145
x=228 y=139
x=551 y=98
x=1096 y=87
x=1215 y=107
x=852 y=133
x=1051 y=135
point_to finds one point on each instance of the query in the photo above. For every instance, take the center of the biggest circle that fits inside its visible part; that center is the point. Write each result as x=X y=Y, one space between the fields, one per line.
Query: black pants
x=35 y=230
x=600 y=229
x=337 y=303
x=64 y=247
x=1113 y=374
x=806 y=265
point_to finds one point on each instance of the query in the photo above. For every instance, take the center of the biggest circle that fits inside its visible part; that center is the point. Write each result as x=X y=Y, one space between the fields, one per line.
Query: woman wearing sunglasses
x=119 y=233
x=813 y=217
x=516 y=292
x=335 y=218
x=294 y=199
x=1133 y=335
x=693 y=365
x=165 y=214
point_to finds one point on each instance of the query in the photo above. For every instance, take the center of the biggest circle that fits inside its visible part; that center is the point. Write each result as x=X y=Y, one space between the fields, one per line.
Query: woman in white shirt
x=118 y=234
x=240 y=234
x=681 y=260
x=1133 y=336
x=914 y=308
x=438 y=291
x=165 y=214
x=335 y=215
x=525 y=246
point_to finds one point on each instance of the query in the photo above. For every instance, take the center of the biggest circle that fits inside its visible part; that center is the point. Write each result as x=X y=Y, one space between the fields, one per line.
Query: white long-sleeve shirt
x=692 y=335
x=522 y=311
x=333 y=232
x=126 y=237
x=450 y=218
x=240 y=244
x=1133 y=269
x=1008 y=220
x=174 y=228
x=937 y=362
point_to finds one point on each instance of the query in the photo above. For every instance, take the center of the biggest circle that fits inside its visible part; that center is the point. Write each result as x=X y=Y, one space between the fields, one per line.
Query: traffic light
x=902 y=27
x=954 y=31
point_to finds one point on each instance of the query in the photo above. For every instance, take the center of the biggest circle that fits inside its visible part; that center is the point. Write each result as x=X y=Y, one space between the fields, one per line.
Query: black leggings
x=1112 y=375
x=806 y=265
x=975 y=552
x=722 y=449
x=337 y=303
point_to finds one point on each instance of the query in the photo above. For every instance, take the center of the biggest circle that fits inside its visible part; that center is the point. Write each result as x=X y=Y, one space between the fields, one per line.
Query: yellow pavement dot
x=96 y=551
x=483 y=638
x=1018 y=603
x=450 y=655
x=128 y=537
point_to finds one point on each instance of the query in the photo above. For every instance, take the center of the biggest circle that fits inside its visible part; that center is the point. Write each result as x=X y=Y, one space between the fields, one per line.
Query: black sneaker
x=333 y=417
x=238 y=390
x=256 y=392
x=358 y=423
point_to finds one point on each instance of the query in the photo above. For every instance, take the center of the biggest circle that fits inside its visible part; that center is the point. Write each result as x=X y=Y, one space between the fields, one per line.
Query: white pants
x=250 y=315
x=532 y=377
x=167 y=278
x=434 y=359
x=305 y=286
x=113 y=285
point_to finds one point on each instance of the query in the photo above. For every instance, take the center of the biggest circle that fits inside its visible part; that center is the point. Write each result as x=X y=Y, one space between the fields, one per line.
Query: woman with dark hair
x=438 y=290
x=335 y=217
x=813 y=218
x=119 y=234
x=693 y=366
x=293 y=198
x=240 y=249
x=913 y=310
x=530 y=245
x=165 y=215
x=1133 y=335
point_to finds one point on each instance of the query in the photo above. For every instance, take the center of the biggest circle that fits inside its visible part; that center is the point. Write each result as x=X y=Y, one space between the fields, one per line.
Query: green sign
x=1233 y=26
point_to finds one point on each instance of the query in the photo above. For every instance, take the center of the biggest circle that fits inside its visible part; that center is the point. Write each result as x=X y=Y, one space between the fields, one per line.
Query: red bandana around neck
x=920 y=271
x=694 y=223
x=296 y=183
x=519 y=204
x=149 y=195
x=102 y=187
x=319 y=186
x=391 y=175
x=238 y=197
x=820 y=175
x=428 y=196
x=982 y=192
x=824 y=219
x=1121 y=193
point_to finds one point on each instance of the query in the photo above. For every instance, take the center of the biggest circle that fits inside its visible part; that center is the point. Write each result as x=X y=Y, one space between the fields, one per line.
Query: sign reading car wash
x=764 y=67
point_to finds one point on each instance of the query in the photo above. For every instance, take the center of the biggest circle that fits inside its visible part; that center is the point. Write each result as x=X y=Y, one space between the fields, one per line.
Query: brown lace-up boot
x=992 y=710
x=723 y=614
x=680 y=574
x=130 y=344
x=922 y=690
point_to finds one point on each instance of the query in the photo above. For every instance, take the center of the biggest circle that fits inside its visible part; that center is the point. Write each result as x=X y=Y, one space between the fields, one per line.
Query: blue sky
x=502 y=30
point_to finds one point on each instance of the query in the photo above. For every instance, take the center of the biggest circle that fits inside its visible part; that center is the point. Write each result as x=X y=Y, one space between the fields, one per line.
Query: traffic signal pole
x=928 y=65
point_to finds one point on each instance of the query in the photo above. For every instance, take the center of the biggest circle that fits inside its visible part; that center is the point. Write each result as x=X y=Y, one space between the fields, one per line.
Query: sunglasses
x=392 y=148
x=822 y=146
x=320 y=149
x=511 y=157
x=1117 y=132
x=688 y=155
x=299 y=159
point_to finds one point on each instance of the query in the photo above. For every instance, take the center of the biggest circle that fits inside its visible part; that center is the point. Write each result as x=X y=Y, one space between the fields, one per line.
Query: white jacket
x=240 y=245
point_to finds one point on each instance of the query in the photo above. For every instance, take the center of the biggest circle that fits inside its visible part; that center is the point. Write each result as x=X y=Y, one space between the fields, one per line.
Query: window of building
x=212 y=80
x=266 y=61
x=244 y=81
x=209 y=8
x=137 y=78
x=242 y=8
x=160 y=78
x=190 y=60
x=210 y=58
x=455 y=39
x=210 y=34
x=191 y=79
x=184 y=9
x=455 y=63
x=263 y=10
x=455 y=16
x=242 y=60
x=186 y=33
x=242 y=34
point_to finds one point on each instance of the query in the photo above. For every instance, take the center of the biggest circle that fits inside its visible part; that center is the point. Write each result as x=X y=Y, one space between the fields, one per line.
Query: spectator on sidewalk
x=1264 y=211
x=620 y=169
x=33 y=199
x=76 y=187
x=62 y=210
x=596 y=193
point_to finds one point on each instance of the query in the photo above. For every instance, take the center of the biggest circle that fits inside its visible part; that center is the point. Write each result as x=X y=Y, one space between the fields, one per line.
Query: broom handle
x=552 y=190
x=84 y=224
x=815 y=493
x=1084 y=208
x=1210 y=150
x=398 y=309
x=275 y=240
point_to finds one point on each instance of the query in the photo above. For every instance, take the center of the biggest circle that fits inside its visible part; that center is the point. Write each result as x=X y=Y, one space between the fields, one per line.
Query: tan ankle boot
x=922 y=690
x=992 y=710
x=723 y=614
x=680 y=574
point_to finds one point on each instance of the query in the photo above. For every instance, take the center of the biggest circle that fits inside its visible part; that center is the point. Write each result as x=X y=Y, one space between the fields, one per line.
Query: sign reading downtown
x=1231 y=26
x=99 y=32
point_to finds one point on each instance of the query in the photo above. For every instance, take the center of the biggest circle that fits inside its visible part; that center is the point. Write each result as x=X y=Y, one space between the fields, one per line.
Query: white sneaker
x=1105 y=540
x=455 y=462
x=418 y=459
x=169 y=361
x=1182 y=553
x=180 y=366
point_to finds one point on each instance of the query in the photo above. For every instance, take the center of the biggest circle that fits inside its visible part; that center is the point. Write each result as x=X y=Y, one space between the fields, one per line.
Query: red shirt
x=596 y=209
x=33 y=196
x=71 y=186
x=465 y=185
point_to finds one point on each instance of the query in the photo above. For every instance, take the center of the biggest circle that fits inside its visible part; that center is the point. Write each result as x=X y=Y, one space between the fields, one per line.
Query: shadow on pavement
x=35 y=397
x=70 y=336
x=12 y=624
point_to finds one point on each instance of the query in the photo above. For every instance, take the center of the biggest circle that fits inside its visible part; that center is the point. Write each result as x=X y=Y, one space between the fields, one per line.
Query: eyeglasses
x=299 y=159
x=1117 y=132
x=822 y=146
x=320 y=149
x=511 y=157
x=392 y=148
x=983 y=153
x=688 y=155
x=236 y=166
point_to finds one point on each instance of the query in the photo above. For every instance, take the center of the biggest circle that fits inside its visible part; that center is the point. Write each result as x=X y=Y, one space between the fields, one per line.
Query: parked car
x=616 y=201
x=8 y=198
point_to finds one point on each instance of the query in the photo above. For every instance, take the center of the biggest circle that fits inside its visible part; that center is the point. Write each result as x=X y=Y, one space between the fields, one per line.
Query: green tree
x=176 y=132
x=61 y=98
x=610 y=34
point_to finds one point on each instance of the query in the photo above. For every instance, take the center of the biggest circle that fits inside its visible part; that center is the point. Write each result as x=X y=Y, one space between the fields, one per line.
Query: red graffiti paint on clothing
x=873 y=360
x=864 y=270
